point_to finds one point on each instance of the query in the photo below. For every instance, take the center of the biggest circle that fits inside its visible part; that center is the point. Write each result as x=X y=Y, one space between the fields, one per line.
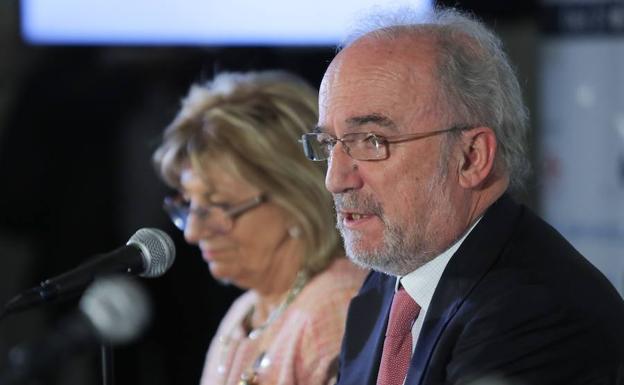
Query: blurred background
x=86 y=90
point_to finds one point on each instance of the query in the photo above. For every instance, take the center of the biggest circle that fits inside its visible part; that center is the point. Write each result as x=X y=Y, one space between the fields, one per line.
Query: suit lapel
x=365 y=331
x=465 y=269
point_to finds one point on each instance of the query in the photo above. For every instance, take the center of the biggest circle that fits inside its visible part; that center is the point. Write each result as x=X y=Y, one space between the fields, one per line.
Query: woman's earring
x=294 y=231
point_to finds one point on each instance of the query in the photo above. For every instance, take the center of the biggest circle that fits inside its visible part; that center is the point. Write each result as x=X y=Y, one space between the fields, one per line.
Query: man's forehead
x=415 y=48
x=360 y=88
x=376 y=64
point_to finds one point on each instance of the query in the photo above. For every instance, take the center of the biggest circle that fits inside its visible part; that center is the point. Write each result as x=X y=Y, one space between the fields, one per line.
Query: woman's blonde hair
x=249 y=124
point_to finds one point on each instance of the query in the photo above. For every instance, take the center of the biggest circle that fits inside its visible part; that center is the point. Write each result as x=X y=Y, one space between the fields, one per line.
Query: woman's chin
x=222 y=276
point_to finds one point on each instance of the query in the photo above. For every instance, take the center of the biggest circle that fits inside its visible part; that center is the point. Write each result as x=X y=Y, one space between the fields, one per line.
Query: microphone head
x=157 y=249
x=118 y=308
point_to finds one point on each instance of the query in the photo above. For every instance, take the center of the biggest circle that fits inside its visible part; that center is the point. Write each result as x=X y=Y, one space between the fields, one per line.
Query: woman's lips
x=210 y=254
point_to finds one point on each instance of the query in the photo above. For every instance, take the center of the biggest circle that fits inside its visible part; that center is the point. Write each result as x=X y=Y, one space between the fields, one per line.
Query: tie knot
x=403 y=312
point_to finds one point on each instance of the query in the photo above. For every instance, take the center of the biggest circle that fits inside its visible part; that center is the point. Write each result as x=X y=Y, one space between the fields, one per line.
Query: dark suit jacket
x=516 y=302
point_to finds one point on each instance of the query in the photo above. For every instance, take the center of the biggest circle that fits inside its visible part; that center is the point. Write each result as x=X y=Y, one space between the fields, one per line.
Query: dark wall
x=76 y=159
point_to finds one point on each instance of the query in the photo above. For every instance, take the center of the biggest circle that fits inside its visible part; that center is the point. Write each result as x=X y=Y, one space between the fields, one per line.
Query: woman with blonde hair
x=259 y=212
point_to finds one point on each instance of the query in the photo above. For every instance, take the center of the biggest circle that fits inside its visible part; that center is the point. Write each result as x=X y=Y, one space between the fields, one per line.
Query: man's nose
x=342 y=171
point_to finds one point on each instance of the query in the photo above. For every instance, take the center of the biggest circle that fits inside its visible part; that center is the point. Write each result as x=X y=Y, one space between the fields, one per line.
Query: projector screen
x=195 y=22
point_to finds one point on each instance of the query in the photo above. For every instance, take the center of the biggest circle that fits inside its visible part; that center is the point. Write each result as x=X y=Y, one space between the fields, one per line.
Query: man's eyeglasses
x=220 y=216
x=318 y=146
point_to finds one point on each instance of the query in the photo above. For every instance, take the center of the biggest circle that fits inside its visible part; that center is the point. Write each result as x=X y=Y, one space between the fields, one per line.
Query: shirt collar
x=421 y=283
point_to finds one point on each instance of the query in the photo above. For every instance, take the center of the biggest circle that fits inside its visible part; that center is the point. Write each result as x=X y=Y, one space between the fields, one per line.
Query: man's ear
x=478 y=150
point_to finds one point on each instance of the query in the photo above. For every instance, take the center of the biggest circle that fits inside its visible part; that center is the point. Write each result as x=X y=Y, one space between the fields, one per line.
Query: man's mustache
x=358 y=203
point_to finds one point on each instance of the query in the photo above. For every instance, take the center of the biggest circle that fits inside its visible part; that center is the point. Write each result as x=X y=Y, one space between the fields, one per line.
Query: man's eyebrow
x=378 y=119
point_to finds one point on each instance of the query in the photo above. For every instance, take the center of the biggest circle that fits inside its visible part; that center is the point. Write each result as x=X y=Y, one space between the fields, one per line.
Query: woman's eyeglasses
x=220 y=216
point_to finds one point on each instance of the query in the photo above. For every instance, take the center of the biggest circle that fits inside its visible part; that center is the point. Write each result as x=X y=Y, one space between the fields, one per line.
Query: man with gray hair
x=424 y=130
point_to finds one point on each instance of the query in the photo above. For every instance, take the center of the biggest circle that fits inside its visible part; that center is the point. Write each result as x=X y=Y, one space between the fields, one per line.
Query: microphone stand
x=108 y=365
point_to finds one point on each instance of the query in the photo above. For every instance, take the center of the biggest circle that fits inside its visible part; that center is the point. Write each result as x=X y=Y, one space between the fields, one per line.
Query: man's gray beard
x=404 y=248
x=394 y=257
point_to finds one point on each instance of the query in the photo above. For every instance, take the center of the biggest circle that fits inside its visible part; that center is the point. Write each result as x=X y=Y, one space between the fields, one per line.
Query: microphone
x=113 y=310
x=149 y=253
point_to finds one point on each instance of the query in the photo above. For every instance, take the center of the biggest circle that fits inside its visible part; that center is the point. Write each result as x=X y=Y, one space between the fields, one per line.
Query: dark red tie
x=397 y=348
